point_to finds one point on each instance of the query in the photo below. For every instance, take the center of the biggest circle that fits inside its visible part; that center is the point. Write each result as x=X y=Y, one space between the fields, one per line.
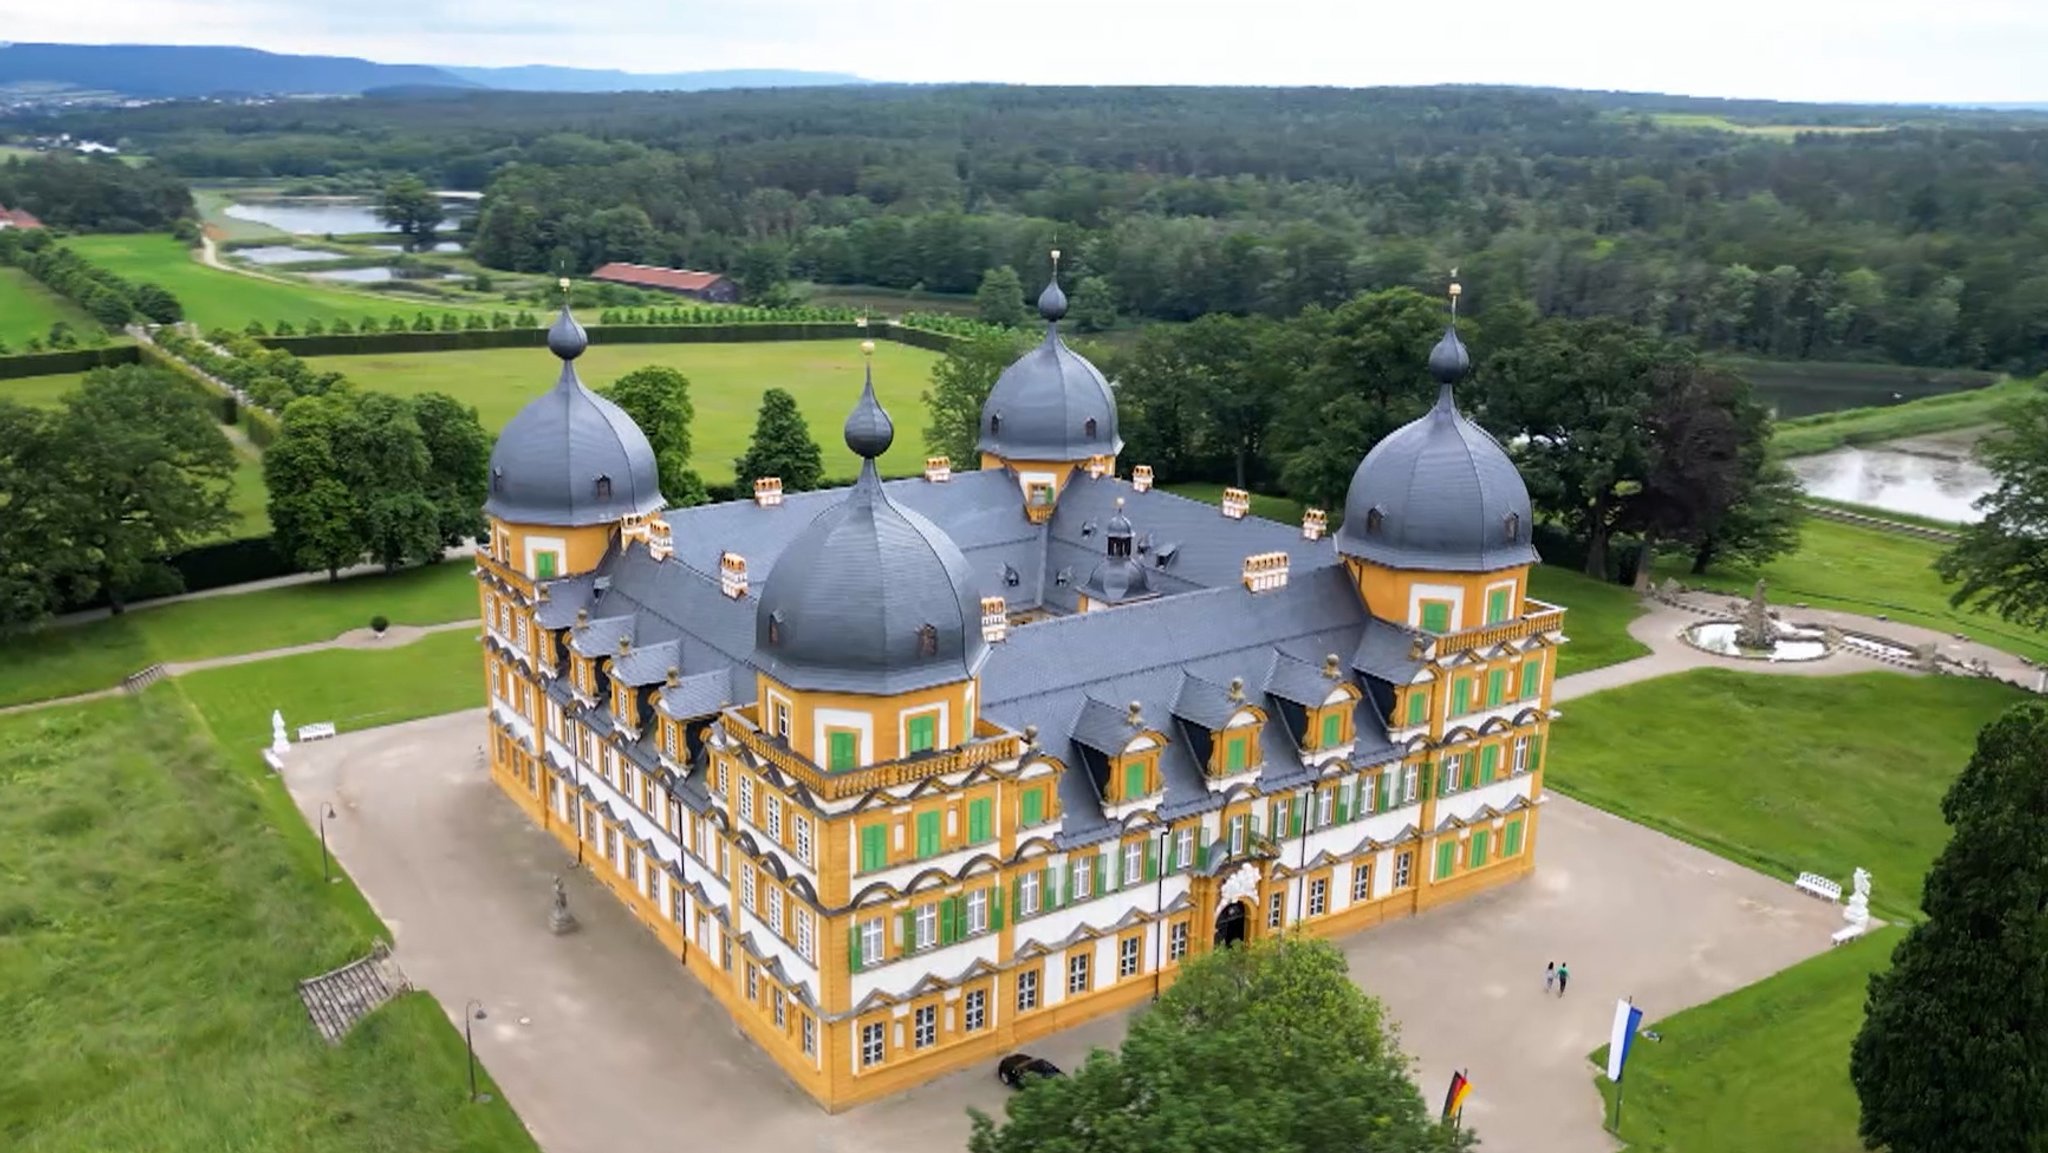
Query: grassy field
x=1860 y=570
x=40 y=391
x=28 y=309
x=1765 y=1067
x=215 y=298
x=1784 y=774
x=163 y=900
x=354 y=688
x=1707 y=122
x=886 y=301
x=1806 y=435
x=1286 y=510
x=1597 y=622
x=59 y=662
x=727 y=381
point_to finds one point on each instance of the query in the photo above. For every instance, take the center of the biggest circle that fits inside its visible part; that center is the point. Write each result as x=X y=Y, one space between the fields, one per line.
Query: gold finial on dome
x=1456 y=290
x=867 y=348
x=1055 y=258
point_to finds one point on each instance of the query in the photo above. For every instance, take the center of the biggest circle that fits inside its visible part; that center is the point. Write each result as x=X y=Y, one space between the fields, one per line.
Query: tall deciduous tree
x=411 y=207
x=2001 y=561
x=1094 y=306
x=149 y=469
x=42 y=565
x=384 y=460
x=1953 y=1053
x=782 y=447
x=960 y=385
x=312 y=512
x=1000 y=299
x=658 y=399
x=458 y=464
x=1266 y=1046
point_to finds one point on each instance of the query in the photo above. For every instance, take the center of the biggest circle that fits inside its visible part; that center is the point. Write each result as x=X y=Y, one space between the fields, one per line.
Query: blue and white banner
x=1627 y=1019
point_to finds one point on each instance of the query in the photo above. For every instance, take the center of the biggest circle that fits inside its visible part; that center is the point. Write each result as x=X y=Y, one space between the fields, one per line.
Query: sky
x=1820 y=50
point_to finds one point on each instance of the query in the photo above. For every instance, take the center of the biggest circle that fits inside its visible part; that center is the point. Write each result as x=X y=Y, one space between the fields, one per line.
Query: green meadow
x=28 y=309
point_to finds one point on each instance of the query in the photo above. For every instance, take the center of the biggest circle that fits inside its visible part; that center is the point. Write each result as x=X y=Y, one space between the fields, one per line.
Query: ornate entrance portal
x=1230 y=924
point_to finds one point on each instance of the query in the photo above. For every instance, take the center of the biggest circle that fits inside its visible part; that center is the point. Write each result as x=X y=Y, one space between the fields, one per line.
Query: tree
x=1953 y=1053
x=458 y=465
x=658 y=399
x=1198 y=400
x=782 y=447
x=1094 y=306
x=383 y=459
x=412 y=208
x=1265 y=1046
x=1761 y=526
x=2001 y=561
x=1000 y=299
x=42 y=566
x=1707 y=441
x=762 y=270
x=150 y=473
x=960 y=384
x=156 y=302
x=312 y=512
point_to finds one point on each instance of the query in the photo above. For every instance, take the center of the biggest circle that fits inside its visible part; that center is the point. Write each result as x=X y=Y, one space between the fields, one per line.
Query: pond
x=1924 y=475
x=318 y=216
x=282 y=254
x=355 y=275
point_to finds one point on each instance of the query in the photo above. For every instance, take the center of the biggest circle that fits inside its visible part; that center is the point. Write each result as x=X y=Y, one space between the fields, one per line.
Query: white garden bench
x=1846 y=934
x=1819 y=886
x=325 y=729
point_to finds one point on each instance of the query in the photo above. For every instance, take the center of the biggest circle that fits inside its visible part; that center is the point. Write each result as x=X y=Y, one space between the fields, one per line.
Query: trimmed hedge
x=363 y=344
x=212 y=566
x=70 y=360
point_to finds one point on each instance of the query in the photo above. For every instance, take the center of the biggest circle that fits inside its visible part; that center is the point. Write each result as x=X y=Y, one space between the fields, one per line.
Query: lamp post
x=326 y=868
x=473 y=1010
x=1159 y=915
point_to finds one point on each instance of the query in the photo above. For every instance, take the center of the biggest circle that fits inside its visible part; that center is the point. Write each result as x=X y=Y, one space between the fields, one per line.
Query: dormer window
x=604 y=488
x=1065 y=577
x=1088 y=428
x=1088 y=528
x=1512 y=523
x=1374 y=519
x=1010 y=577
x=995 y=424
x=775 y=628
x=497 y=480
x=927 y=640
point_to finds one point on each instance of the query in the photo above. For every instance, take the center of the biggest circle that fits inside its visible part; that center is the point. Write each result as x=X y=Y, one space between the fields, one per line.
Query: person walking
x=1550 y=978
x=1564 y=977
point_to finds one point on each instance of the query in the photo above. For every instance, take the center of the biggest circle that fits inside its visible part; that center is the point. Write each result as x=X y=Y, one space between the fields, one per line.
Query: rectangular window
x=774 y=915
x=980 y=821
x=924 y=1031
x=1276 y=910
x=1368 y=793
x=1499 y=602
x=632 y=868
x=1513 y=843
x=842 y=750
x=874 y=949
x=1084 y=878
x=874 y=848
x=1418 y=706
x=781 y=1006
x=872 y=1044
x=806 y=936
x=725 y=951
x=1279 y=816
x=802 y=828
x=1333 y=729
x=923 y=733
x=1520 y=764
x=1326 y=806
x=975 y=1013
x=1489 y=763
x=1233 y=754
x=1411 y=784
x=1134 y=780
x=1033 y=807
x=1027 y=894
x=927 y=923
x=1479 y=839
x=1134 y=862
x=1496 y=687
x=1446 y=858
x=1461 y=696
x=544 y=566
x=928 y=841
x=1027 y=990
x=1436 y=616
x=1532 y=677
x=1184 y=850
x=753 y=983
x=773 y=805
x=977 y=912
x=782 y=719
x=747 y=888
x=1318 y=897
x=808 y=1026
x=746 y=799
x=1448 y=781
x=1404 y=870
x=1177 y=941
x=1237 y=834
x=1077 y=973
x=1361 y=882
x=1127 y=957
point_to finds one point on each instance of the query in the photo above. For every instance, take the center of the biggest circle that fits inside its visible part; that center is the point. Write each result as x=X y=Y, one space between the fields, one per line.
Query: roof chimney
x=1136 y=716
x=938 y=469
x=768 y=491
x=1236 y=503
x=995 y=619
x=1141 y=478
x=1265 y=571
x=732 y=574
x=1314 y=523
x=582 y=617
x=1330 y=666
x=1098 y=467
x=675 y=676
x=625 y=645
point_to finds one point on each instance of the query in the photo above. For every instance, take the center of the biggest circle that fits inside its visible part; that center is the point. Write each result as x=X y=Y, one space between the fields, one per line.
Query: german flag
x=1454 y=1101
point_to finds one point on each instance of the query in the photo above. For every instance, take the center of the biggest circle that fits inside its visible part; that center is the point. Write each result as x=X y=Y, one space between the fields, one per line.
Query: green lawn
x=1861 y=570
x=1707 y=122
x=58 y=662
x=1763 y=1068
x=28 y=309
x=162 y=901
x=727 y=381
x=215 y=298
x=1284 y=509
x=40 y=391
x=1597 y=622
x=354 y=688
x=1784 y=774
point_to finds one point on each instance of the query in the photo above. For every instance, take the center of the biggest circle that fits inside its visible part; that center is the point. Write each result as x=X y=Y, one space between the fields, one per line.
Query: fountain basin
x=1788 y=642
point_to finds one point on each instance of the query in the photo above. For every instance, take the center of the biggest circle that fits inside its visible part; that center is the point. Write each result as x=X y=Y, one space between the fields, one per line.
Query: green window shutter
x=1496 y=687
x=1436 y=616
x=978 y=823
x=1054 y=895
x=1034 y=806
x=1017 y=897
x=1134 y=780
x=927 y=834
x=1151 y=860
x=949 y=921
x=1489 y=759
x=1070 y=875
x=923 y=733
x=1233 y=753
x=1446 y=854
x=1418 y=707
x=1461 y=696
x=874 y=847
x=853 y=947
x=1497 y=605
x=1344 y=800
x=1535 y=752
x=1172 y=859
x=1479 y=840
x=995 y=907
x=1300 y=816
x=1201 y=847
x=908 y=917
x=544 y=566
x=1532 y=677
x=1333 y=729
x=1387 y=789
x=1513 y=844
x=1254 y=823
x=841 y=751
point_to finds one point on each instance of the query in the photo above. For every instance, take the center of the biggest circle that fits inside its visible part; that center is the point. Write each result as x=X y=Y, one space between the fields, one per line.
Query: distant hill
x=161 y=70
x=545 y=78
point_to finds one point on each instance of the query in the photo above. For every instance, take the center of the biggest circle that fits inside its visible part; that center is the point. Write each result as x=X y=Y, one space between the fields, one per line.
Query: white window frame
x=1361 y=881
x=924 y=1027
x=1177 y=941
x=1318 y=897
x=746 y=798
x=1084 y=877
x=749 y=896
x=974 y=1011
x=1411 y=784
x=1027 y=894
x=774 y=914
x=800 y=826
x=1134 y=862
x=1237 y=833
x=1027 y=990
x=874 y=942
x=1521 y=757
x=1276 y=910
x=1184 y=849
x=1404 y=870
x=1128 y=957
x=977 y=912
x=806 y=935
x=808 y=1026
x=874 y=1044
x=1077 y=973
x=1326 y=808
x=773 y=805
x=925 y=924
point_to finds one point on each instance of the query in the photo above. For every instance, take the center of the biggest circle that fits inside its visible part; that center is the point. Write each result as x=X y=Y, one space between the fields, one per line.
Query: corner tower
x=1049 y=413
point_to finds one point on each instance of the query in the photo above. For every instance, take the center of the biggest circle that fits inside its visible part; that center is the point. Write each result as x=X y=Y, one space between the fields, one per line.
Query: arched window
x=1513 y=524
x=1010 y=577
x=1375 y=519
x=775 y=628
x=497 y=480
x=604 y=487
x=995 y=424
x=927 y=640
x=1088 y=428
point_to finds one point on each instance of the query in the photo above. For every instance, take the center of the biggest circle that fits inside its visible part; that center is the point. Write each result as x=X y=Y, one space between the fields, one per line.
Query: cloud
x=1904 y=50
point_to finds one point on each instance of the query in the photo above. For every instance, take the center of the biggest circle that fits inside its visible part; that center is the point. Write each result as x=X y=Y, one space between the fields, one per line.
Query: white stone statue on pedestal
x=1858 y=912
x=278 y=743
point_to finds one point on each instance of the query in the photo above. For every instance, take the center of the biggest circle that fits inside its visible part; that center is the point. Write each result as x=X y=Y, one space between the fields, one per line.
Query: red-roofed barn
x=18 y=218
x=710 y=286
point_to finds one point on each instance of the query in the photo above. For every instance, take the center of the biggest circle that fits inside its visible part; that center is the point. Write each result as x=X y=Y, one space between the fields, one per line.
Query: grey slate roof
x=564 y=598
x=699 y=694
x=1040 y=406
x=1102 y=727
x=1439 y=492
x=571 y=457
x=1204 y=703
x=1385 y=651
x=1292 y=679
x=648 y=664
x=600 y=638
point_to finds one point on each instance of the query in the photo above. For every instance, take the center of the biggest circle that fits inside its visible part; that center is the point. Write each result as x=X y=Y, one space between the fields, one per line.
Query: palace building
x=909 y=773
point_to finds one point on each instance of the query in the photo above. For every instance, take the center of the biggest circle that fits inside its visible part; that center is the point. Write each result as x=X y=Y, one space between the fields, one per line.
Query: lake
x=354 y=275
x=1808 y=387
x=282 y=254
x=1925 y=475
x=318 y=216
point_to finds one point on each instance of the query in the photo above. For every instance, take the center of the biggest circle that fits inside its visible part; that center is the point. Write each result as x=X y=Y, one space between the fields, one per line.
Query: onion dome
x=1052 y=404
x=871 y=597
x=1439 y=493
x=1118 y=576
x=571 y=458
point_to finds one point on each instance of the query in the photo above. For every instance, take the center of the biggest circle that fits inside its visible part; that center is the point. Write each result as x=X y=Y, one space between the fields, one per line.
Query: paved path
x=467 y=549
x=602 y=1044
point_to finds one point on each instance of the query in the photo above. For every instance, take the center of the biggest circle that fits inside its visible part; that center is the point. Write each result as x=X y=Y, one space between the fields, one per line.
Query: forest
x=1909 y=236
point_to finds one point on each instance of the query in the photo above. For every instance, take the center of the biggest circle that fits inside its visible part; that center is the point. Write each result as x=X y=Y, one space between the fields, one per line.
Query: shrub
x=379 y=623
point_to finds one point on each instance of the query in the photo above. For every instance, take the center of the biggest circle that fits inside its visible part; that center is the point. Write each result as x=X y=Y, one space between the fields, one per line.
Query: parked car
x=1018 y=1068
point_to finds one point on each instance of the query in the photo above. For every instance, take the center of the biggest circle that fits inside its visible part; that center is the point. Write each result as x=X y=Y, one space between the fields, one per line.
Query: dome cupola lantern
x=1051 y=405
